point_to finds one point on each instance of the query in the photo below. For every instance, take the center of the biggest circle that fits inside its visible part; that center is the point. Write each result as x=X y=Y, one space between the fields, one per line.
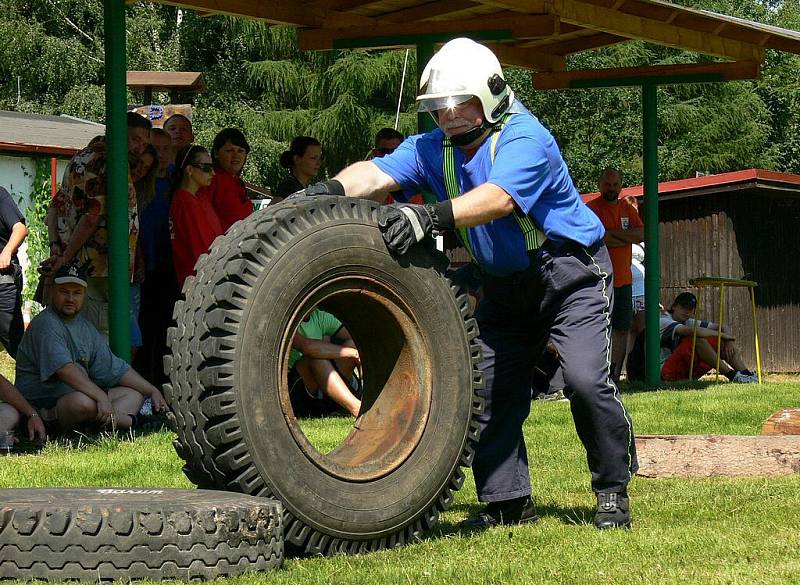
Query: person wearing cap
x=66 y=369
x=677 y=329
x=502 y=185
x=624 y=228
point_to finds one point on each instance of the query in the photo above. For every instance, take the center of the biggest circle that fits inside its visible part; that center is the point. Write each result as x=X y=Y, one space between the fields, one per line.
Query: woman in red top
x=227 y=192
x=193 y=222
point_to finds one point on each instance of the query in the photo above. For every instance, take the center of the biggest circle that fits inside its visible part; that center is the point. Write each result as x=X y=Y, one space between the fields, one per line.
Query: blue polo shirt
x=527 y=165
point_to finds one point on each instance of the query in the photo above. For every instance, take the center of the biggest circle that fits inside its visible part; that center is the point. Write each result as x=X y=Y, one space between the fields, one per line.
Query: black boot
x=613 y=510
x=516 y=511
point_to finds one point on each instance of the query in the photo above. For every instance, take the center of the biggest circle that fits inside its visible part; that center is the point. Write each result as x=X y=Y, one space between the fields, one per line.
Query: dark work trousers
x=11 y=324
x=564 y=296
x=160 y=291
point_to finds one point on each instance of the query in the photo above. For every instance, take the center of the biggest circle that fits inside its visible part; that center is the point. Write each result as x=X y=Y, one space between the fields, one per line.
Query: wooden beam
x=528 y=58
x=782 y=422
x=526 y=6
x=519 y=27
x=633 y=75
x=576 y=44
x=618 y=23
x=654 y=31
x=275 y=11
x=166 y=80
x=717 y=455
x=425 y=11
x=336 y=4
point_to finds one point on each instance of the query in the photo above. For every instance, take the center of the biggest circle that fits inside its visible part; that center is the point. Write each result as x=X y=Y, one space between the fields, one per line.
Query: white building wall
x=16 y=176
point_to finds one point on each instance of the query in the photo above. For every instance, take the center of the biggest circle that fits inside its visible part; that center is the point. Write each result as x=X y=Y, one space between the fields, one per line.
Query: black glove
x=403 y=225
x=332 y=187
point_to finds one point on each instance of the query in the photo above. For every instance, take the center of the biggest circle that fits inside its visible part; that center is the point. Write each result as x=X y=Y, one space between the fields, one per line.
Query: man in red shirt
x=624 y=228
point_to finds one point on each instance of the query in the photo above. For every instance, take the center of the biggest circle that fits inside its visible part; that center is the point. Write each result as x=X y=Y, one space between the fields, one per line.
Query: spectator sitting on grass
x=66 y=369
x=320 y=367
x=12 y=405
x=677 y=330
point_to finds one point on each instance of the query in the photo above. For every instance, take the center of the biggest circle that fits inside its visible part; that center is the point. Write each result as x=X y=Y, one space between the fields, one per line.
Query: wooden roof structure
x=733 y=182
x=533 y=34
x=166 y=80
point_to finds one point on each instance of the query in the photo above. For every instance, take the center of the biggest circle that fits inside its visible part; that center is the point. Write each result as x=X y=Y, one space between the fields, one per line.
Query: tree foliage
x=258 y=80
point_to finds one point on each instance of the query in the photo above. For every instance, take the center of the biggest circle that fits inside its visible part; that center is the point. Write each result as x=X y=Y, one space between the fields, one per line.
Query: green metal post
x=652 y=266
x=424 y=53
x=117 y=186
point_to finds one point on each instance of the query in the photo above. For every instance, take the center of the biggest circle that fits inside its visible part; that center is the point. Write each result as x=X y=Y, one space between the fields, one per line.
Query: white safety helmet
x=460 y=70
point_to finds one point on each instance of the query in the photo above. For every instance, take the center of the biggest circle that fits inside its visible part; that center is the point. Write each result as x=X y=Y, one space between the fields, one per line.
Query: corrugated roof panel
x=21 y=132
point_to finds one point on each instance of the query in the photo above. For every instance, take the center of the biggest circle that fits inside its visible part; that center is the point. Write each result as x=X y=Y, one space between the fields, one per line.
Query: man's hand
x=728 y=352
x=104 y=410
x=50 y=266
x=404 y=225
x=332 y=187
x=352 y=353
x=36 y=430
x=159 y=404
x=5 y=260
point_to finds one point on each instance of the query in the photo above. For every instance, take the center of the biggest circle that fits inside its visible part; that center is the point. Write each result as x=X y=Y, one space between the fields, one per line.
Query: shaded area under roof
x=535 y=34
x=50 y=135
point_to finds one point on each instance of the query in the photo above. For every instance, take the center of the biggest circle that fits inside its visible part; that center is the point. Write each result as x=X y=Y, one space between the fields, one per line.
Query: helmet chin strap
x=471 y=135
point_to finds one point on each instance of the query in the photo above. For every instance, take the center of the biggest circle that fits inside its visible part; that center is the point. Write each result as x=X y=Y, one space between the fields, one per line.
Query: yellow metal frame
x=706 y=281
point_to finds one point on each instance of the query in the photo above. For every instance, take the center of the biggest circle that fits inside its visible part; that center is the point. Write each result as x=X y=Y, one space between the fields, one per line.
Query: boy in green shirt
x=319 y=368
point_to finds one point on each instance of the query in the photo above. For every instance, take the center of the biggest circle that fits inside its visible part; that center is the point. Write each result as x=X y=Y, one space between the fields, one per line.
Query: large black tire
x=401 y=463
x=105 y=534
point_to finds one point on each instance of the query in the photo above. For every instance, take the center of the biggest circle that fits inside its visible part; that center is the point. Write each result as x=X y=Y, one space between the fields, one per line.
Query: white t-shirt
x=637 y=271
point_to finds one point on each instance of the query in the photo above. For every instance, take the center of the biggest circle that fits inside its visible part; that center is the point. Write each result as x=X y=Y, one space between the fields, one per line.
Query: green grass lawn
x=685 y=531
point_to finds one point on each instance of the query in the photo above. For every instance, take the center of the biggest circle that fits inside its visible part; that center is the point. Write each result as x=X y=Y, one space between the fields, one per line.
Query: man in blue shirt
x=501 y=182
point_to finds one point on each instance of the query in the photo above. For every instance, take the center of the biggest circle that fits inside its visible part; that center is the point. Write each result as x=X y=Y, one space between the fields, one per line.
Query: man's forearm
x=707 y=332
x=18 y=234
x=12 y=396
x=132 y=379
x=366 y=181
x=319 y=349
x=87 y=225
x=51 y=219
x=75 y=378
x=626 y=237
x=481 y=205
x=613 y=241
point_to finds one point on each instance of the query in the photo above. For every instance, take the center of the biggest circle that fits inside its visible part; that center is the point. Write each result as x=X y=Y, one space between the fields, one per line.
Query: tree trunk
x=783 y=422
x=717 y=455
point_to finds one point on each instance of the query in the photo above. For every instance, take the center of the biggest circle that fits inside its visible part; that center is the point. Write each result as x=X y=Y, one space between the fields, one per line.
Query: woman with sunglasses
x=194 y=223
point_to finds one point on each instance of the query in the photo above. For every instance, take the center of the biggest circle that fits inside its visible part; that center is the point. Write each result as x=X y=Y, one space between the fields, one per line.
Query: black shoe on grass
x=613 y=511
x=516 y=511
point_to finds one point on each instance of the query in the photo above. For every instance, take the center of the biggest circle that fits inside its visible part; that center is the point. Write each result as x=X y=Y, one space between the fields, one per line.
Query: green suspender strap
x=534 y=237
x=451 y=184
